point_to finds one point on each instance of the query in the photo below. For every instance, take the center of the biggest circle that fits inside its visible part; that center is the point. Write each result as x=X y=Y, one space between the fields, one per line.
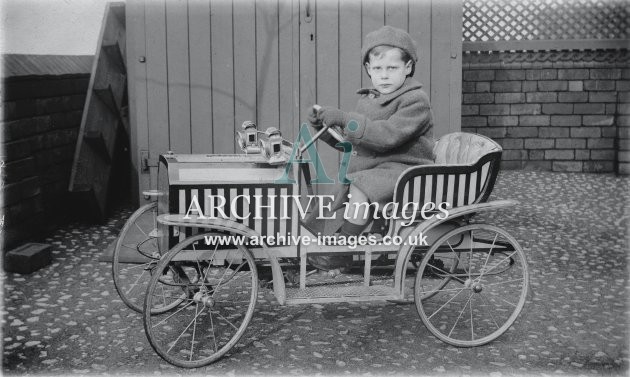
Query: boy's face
x=388 y=71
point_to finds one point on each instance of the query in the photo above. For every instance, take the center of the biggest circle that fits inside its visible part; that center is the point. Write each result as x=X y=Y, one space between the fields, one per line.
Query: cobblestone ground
x=68 y=319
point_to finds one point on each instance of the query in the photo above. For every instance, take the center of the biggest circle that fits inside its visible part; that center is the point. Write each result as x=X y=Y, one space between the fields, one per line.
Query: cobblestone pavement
x=68 y=319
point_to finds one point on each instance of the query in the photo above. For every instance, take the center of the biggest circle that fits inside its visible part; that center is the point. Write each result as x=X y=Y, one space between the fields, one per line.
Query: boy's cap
x=391 y=36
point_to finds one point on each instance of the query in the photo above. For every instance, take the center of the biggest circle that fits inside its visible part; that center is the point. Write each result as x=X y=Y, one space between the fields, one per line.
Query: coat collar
x=382 y=99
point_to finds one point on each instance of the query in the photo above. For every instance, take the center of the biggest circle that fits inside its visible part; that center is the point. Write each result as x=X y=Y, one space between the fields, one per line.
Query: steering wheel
x=334 y=131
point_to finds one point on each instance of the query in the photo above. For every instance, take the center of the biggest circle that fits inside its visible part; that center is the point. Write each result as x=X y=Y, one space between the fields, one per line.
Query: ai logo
x=313 y=158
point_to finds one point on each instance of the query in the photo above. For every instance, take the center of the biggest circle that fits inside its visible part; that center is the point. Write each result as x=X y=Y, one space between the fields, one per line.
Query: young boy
x=392 y=130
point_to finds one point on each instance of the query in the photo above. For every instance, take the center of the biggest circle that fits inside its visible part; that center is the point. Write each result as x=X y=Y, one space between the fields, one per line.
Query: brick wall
x=41 y=118
x=559 y=112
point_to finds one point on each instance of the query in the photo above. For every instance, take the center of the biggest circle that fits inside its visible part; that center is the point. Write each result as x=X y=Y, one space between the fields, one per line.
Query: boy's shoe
x=343 y=263
x=331 y=262
x=383 y=260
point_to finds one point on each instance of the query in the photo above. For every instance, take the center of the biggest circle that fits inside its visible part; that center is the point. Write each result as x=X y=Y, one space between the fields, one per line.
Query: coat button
x=354 y=153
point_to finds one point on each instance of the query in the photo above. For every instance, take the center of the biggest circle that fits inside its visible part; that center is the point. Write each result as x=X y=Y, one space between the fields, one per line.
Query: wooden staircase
x=104 y=124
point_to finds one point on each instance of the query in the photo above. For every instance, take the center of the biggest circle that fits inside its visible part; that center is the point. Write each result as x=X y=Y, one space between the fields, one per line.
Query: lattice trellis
x=509 y=20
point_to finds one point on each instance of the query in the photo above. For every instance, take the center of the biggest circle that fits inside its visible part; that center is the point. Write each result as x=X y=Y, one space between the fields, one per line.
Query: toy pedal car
x=196 y=276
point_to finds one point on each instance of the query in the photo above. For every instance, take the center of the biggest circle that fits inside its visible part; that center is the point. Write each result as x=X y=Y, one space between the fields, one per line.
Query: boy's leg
x=351 y=227
x=358 y=206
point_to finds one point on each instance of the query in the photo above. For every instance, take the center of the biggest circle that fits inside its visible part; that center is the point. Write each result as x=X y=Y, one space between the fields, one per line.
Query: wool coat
x=390 y=133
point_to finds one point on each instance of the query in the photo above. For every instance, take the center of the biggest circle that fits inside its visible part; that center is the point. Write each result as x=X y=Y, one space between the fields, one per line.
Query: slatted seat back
x=466 y=167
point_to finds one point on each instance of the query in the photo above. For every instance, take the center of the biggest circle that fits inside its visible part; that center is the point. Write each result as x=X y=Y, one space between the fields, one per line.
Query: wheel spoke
x=192 y=342
x=179 y=310
x=194 y=320
x=200 y=271
x=499 y=263
x=214 y=338
x=141 y=230
x=230 y=280
x=506 y=301
x=502 y=282
x=222 y=276
x=490 y=311
x=181 y=297
x=219 y=284
x=460 y=314
x=447 y=290
x=226 y=320
x=456 y=255
x=447 y=302
x=470 y=255
x=205 y=275
x=483 y=269
x=472 y=326
x=449 y=274
x=135 y=283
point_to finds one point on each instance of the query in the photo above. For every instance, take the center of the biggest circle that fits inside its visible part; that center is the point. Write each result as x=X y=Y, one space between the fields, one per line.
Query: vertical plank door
x=199 y=68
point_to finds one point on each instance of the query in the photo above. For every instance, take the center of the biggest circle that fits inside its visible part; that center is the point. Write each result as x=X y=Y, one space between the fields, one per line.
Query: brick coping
x=547 y=59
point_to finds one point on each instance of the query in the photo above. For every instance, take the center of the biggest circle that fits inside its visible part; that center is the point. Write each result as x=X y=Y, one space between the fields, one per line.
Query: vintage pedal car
x=195 y=276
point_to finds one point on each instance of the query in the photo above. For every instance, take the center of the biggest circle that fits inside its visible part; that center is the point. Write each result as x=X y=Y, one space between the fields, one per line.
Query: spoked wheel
x=471 y=285
x=221 y=286
x=415 y=258
x=135 y=257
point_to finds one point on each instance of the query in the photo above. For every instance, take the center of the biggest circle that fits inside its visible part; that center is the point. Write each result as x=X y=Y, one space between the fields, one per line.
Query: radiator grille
x=239 y=203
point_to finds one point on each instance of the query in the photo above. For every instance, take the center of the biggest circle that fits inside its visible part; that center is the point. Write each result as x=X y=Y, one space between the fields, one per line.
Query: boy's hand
x=314 y=119
x=332 y=116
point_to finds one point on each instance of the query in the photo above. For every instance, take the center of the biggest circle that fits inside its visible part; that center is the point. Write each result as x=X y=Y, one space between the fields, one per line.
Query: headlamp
x=272 y=147
x=247 y=139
